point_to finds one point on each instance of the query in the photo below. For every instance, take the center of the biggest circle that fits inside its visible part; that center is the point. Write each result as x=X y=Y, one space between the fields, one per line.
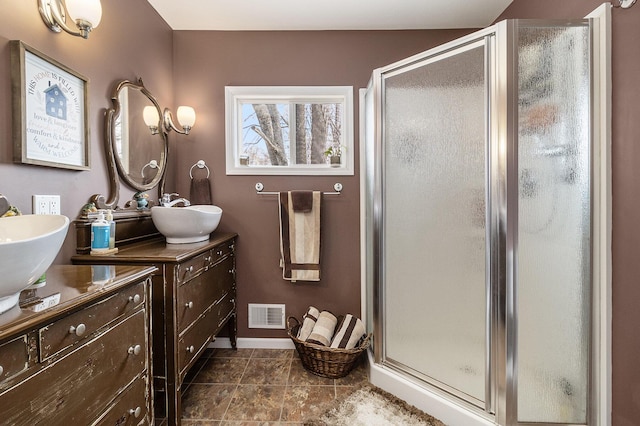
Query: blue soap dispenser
x=100 y=233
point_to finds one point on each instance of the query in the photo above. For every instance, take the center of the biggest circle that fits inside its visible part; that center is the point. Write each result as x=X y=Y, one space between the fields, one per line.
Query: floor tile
x=206 y=402
x=272 y=353
x=258 y=387
x=357 y=376
x=266 y=371
x=195 y=369
x=222 y=370
x=305 y=402
x=256 y=402
x=344 y=391
x=300 y=376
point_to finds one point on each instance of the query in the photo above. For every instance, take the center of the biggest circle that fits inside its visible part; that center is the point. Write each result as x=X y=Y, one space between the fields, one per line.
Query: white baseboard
x=253 y=343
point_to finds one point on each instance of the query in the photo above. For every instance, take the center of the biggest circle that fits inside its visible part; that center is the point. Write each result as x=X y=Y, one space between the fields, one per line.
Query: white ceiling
x=328 y=14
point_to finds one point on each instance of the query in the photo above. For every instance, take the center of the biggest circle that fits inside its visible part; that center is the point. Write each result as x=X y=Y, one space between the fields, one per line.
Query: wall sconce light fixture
x=85 y=15
x=186 y=119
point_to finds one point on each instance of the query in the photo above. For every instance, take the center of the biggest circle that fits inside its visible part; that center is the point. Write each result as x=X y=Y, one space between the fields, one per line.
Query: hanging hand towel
x=323 y=330
x=200 y=192
x=300 y=235
x=308 y=322
x=350 y=331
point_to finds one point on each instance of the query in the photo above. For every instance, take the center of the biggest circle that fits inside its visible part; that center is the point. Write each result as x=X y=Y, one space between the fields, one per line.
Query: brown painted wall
x=204 y=63
x=131 y=41
x=626 y=204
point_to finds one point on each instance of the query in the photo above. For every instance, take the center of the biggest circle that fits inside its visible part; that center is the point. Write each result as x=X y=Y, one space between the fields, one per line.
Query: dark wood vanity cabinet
x=78 y=353
x=194 y=298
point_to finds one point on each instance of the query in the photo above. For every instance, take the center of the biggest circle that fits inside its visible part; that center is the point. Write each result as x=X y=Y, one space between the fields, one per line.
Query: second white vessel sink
x=182 y=225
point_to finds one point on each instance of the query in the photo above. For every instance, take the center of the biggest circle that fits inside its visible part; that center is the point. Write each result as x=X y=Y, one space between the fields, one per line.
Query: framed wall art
x=50 y=111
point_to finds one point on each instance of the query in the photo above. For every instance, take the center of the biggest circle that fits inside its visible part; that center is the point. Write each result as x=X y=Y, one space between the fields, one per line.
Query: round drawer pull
x=79 y=330
x=1 y=370
x=135 y=412
x=135 y=350
x=189 y=305
x=190 y=349
x=219 y=252
x=189 y=269
x=207 y=259
x=135 y=298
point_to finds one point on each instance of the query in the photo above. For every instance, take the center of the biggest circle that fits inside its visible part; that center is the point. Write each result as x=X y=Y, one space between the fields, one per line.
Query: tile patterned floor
x=258 y=387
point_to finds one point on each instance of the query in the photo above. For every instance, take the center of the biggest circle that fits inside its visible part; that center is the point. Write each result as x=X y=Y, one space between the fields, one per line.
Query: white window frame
x=235 y=96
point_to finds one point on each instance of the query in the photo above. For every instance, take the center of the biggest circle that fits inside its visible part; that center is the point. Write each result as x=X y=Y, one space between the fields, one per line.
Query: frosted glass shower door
x=553 y=280
x=434 y=228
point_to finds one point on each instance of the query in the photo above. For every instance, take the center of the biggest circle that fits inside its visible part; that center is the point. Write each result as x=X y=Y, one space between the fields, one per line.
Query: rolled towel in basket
x=308 y=321
x=349 y=333
x=323 y=330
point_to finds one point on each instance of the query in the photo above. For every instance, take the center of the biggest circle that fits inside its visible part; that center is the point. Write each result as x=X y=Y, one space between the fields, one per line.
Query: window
x=285 y=130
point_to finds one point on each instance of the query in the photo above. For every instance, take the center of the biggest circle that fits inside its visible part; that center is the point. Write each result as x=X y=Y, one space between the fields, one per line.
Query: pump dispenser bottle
x=112 y=230
x=100 y=231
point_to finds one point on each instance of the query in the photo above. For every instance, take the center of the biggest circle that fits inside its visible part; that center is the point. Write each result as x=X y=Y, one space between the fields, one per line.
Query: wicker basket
x=324 y=361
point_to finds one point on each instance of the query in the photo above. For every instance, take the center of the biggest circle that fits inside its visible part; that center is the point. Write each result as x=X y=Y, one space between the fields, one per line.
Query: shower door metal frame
x=501 y=225
x=495 y=344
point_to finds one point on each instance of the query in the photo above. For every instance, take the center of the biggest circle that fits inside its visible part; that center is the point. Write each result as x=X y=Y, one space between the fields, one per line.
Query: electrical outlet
x=54 y=204
x=46 y=204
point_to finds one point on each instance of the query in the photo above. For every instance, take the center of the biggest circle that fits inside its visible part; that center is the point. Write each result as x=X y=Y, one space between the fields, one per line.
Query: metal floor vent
x=266 y=316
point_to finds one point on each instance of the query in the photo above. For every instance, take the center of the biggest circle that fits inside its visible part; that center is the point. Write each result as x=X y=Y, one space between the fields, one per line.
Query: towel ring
x=201 y=165
x=153 y=164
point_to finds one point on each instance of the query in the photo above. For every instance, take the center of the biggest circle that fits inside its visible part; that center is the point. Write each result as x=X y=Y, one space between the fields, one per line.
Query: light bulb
x=186 y=116
x=85 y=10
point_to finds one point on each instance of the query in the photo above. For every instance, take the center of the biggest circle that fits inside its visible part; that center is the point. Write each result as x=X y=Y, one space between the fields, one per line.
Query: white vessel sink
x=28 y=246
x=190 y=224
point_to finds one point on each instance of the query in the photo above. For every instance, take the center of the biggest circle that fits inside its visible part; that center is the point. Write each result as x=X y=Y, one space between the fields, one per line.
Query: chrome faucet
x=168 y=200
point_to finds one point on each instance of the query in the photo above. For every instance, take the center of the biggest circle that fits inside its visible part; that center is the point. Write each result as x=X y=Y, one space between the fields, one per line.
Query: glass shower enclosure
x=478 y=198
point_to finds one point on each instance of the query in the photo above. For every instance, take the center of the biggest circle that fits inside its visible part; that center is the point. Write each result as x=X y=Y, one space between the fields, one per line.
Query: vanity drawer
x=222 y=250
x=191 y=268
x=73 y=328
x=197 y=295
x=222 y=309
x=94 y=373
x=14 y=357
x=191 y=344
x=130 y=408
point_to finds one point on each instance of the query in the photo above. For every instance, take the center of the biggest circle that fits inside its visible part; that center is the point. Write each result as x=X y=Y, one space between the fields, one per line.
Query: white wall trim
x=363 y=206
x=253 y=343
x=602 y=271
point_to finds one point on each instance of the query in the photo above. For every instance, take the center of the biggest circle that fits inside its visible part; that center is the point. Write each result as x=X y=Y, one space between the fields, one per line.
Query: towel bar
x=337 y=187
